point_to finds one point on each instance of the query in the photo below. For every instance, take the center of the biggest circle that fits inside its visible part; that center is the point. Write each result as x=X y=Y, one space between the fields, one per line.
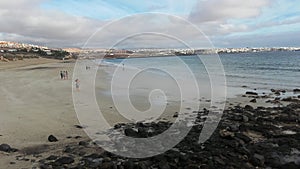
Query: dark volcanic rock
x=5 y=147
x=78 y=126
x=252 y=93
x=248 y=107
x=246 y=137
x=296 y=90
x=77 y=137
x=243 y=137
x=175 y=115
x=163 y=165
x=64 y=160
x=277 y=93
x=83 y=143
x=52 y=157
x=258 y=160
x=130 y=132
x=253 y=101
x=234 y=127
x=129 y=164
x=245 y=118
x=52 y=138
x=226 y=134
x=288 y=99
x=108 y=165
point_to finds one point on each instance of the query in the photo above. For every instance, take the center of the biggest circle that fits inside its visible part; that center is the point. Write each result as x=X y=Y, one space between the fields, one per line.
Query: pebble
x=78 y=126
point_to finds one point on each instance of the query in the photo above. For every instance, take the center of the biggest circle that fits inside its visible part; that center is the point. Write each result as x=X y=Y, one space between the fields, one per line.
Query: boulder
x=5 y=148
x=130 y=132
x=248 y=107
x=52 y=138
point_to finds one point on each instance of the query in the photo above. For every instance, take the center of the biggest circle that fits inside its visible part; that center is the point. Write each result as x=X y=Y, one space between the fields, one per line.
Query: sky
x=155 y=23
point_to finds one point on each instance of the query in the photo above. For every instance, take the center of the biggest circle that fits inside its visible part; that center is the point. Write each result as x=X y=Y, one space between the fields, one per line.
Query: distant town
x=17 y=51
x=12 y=51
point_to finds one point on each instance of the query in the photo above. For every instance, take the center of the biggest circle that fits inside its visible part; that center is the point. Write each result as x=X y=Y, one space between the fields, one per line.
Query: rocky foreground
x=246 y=137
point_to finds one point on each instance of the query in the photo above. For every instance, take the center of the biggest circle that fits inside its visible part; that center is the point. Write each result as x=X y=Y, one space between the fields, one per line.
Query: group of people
x=64 y=75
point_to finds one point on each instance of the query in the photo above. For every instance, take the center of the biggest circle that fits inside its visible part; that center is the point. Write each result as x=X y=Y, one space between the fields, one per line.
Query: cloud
x=225 y=17
x=220 y=10
x=146 y=30
x=277 y=39
x=66 y=25
x=25 y=19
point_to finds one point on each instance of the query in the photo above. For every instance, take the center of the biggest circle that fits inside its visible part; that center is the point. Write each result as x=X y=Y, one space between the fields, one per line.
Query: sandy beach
x=36 y=103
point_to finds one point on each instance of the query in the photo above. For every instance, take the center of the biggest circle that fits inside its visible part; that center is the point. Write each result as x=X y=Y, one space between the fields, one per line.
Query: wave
x=269 y=68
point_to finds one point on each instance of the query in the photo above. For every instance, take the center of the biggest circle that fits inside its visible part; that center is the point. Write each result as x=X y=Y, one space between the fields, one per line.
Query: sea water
x=243 y=71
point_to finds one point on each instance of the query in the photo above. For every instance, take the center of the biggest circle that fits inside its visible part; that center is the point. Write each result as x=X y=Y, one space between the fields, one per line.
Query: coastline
x=43 y=106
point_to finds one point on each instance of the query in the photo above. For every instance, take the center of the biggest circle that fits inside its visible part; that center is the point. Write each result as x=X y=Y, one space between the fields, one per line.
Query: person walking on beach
x=64 y=73
x=77 y=83
x=61 y=75
x=67 y=74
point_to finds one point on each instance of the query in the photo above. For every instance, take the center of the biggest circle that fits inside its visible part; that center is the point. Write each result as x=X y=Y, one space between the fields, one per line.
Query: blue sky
x=228 y=23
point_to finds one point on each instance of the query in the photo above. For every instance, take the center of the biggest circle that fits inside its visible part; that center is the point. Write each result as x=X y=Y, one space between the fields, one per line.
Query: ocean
x=259 y=71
